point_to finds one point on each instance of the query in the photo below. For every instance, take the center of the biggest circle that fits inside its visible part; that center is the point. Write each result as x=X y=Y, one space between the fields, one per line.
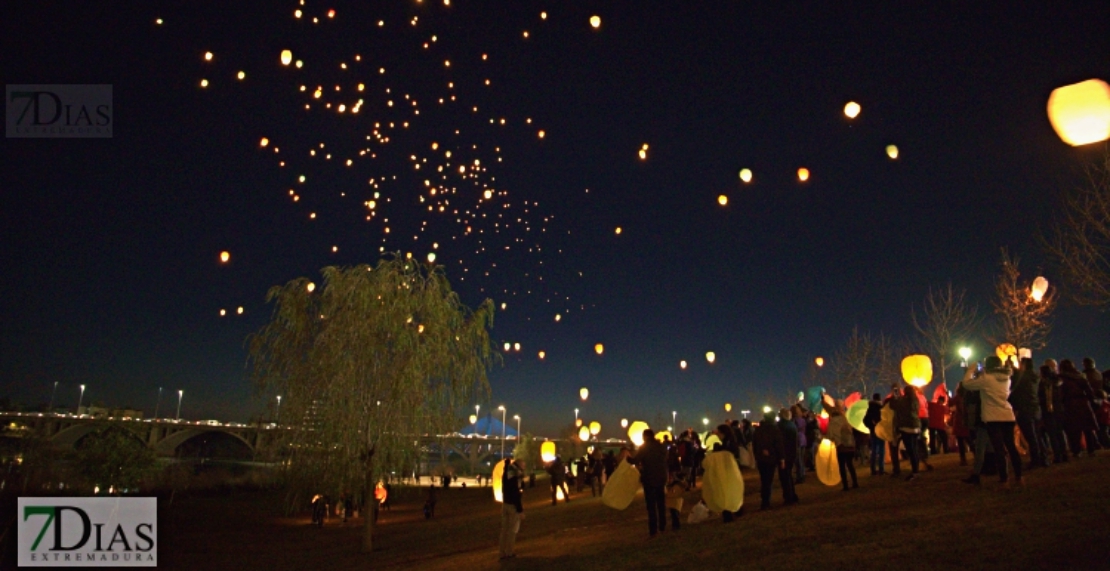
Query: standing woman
x=908 y=425
x=840 y=432
x=994 y=390
x=1079 y=418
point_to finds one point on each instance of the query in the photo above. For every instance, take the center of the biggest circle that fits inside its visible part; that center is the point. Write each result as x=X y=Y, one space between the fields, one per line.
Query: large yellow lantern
x=1080 y=113
x=595 y=428
x=828 y=469
x=473 y=419
x=584 y=433
x=547 y=452
x=584 y=393
x=498 y=472
x=599 y=348
x=917 y=370
x=1040 y=287
x=636 y=432
x=1006 y=351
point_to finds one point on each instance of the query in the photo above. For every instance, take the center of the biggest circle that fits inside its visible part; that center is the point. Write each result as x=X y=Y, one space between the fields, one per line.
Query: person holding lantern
x=558 y=472
x=878 y=447
x=994 y=391
x=512 y=508
x=840 y=432
x=908 y=424
x=768 y=449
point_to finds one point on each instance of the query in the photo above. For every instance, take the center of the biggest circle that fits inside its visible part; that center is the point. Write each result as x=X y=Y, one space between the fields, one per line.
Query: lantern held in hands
x=828 y=470
x=636 y=432
x=547 y=452
x=498 y=471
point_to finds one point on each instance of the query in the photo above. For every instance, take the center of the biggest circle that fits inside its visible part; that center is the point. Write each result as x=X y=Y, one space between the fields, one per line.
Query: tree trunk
x=367 y=510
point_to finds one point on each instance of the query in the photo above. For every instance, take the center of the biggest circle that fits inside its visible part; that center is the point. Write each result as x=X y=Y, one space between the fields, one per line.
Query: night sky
x=111 y=270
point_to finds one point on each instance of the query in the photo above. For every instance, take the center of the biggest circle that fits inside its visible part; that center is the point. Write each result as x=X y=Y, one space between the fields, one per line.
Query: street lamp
x=180 y=393
x=674 y=418
x=278 y=419
x=81 y=398
x=52 y=393
x=517 y=417
x=965 y=354
x=705 y=422
x=576 y=417
x=158 y=403
x=502 y=409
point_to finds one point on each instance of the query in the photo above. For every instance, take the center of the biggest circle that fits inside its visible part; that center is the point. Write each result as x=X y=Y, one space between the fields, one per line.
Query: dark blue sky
x=111 y=272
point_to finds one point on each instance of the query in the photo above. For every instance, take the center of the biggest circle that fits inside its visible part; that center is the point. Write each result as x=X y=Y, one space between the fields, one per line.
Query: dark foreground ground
x=1060 y=520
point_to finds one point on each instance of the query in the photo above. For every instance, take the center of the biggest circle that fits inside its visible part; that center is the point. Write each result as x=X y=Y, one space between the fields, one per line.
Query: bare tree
x=862 y=364
x=1022 y=319
x=945 y=319
x=1080 y=242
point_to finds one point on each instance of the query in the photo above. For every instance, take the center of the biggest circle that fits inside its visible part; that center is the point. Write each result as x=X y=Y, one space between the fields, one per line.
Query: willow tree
x=366 y=364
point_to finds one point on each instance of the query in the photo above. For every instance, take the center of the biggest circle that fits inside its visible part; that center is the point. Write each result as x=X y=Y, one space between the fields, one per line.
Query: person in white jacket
x=994 y=391
x=840 y=432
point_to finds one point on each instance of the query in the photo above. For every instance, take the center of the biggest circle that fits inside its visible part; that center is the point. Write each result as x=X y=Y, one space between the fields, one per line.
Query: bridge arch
x=168 y=445
x=68 y=437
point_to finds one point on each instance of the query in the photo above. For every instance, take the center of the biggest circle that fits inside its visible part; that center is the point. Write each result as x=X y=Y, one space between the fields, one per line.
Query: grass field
x=1059 y=520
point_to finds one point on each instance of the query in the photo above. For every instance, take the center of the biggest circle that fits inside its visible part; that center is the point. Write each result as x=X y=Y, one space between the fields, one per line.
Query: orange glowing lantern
x=595 y=22
x=820 y=361
x=917 y=370
x=225 y=256
x=1040 y=287
x=662 y=436
x=636 y=432
x=577 y=422
x=803 y=174
x=1006 y=352
x=722 y=200
x=547 y=452
x=380 y=493
x=1080 y=113
x=828 y=469
x=498 y=473
x=852 y=109
x=599 y=348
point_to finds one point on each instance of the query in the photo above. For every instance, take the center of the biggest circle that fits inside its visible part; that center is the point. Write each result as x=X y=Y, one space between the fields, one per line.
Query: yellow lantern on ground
x=584 y=393
x=917 y=370
x=584 y=433
x=636 y=432
x=547 y=452
x=621 y=487
x=828 y=469
x=723 y=485
x=498 y=472
x=1080 y=113
x=1040 y=287
x=662 y=436
x=624 y=423
x=595 y=428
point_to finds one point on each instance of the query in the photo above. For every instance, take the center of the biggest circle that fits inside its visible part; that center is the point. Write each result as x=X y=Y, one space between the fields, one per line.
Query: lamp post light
x=517 y=417
x=180 y=393
x=80 y=398
x=674 y=418
x=705 y=422
x=52 y=393
x=745 y=413
x=502 y=409
x=576 y=417
x=158 y=403
x=965 y=354
x=277 y=420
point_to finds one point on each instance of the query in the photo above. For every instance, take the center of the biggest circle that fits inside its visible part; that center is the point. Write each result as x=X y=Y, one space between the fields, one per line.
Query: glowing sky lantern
x=820 y=361
x=595 y=428
x=225 y=256
x=542 y=134
x=710 y=356
x=207 y=56
x=722 y=200
x=542 y=355
x=473 y=419
x=241 y=75
x=803 y=174
x=264 y=142
x=204 y=83
x=577 y=422
x=1080 y=113
x=682 y=364
x=852 y=109
x=599 y=348
x=595 y=22
x=728 y=407
x=643 y=154
x=431 y=257
x=917 y=370
x=498 y=473
x=547 y=451
x=286 y=57
x=516 y=346
x=1040 y=287
x=508 y=347
x=584 y=393
x=892 y=151
x=624 y=423
x=746 y=175
x=311 y=287
x=636 y=432
x=1006 y=352
x=584 y=433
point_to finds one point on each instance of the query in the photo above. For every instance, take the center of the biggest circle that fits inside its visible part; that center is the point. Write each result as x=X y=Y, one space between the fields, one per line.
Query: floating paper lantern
x=241 y=75
x=917 y=370
x=746 y=175
x=682 y=365
x=722 y=200
x=1080 y=113
x=621 y=487
x=584 y=433
x=264 y=142
x=820 y=361
x=508 y=347
x=636 y=432
x=431 y=257
x=577 y=422
x=624 y=423
x=855 y=415
x=473 y=419
x=722 y=485
x=599 y=348
x=498 y=473
x=595 y=428
x=892 y=151
x=828 y=469
x=542 y=355
x=711 y=356
x=1040 y=287
x=286 y=57
x=803 y=174
x=547 y=452
x=516 y=346
x=584 y=393
x=225 y=256
x=380 y=493
x=1006 y=352
x=852 y=109
x=595 y=22
x=208 y=56
x=662 y=435
x=728 y=407
x=311 y=287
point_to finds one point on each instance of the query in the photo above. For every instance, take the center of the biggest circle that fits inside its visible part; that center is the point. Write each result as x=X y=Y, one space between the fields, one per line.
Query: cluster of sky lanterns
x=643 y=152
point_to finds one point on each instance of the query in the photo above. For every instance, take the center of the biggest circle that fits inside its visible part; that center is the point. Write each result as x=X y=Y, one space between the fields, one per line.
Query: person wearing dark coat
x=1051 y=400
x=558 y=472
x=512 y=508
x=767 y=447
x=1079 y=418
x=872 y=419
x=729 y=443
x=1094 y=377
x=1027 y=409
x=789 y=432
x=907 y=422
x=651 y=459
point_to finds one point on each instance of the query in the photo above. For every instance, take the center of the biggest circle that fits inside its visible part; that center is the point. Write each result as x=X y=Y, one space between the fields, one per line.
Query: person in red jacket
x=938 y=429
